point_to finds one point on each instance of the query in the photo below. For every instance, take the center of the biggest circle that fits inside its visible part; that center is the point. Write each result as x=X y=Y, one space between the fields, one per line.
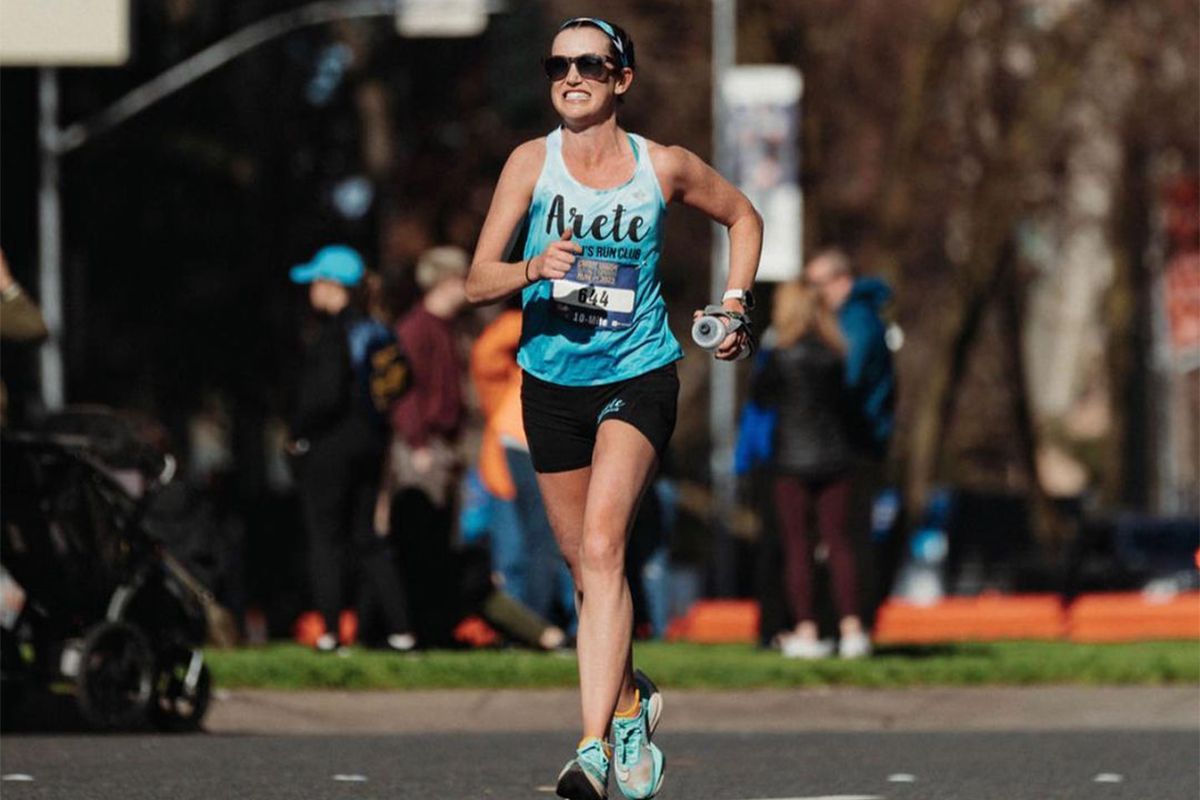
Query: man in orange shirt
x=523 y=546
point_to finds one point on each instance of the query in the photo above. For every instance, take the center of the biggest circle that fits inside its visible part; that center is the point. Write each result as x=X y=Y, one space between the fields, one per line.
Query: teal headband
x=607 y=29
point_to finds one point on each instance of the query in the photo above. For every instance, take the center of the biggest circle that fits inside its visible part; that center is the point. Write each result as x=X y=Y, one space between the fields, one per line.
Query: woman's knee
x=601 y=553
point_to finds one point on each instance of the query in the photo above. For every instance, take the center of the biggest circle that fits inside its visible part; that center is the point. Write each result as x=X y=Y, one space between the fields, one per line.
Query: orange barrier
x=717 y=622
x=990 y=617
x=985 y=618
x=1134 y=616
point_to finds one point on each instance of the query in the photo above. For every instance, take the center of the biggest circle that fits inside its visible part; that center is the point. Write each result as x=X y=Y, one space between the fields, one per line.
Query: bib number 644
x=592 y=296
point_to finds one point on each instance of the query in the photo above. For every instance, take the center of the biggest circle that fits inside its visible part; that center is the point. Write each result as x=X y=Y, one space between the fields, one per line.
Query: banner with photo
x=762 y=105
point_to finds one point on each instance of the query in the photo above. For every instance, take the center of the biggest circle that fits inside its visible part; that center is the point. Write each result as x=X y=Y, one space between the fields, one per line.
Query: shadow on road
x=40 y=712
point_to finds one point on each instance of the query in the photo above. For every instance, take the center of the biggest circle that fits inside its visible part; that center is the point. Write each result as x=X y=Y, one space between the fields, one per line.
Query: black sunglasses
x=590 y=65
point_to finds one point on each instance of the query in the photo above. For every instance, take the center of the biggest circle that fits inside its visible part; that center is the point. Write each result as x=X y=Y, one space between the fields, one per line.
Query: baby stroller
x=107 y=608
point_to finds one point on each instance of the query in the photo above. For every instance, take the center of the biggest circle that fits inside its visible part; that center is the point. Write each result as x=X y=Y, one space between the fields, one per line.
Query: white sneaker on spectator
x=328 y=643
x=401 y=642
x=856 y=645
x=805 y=648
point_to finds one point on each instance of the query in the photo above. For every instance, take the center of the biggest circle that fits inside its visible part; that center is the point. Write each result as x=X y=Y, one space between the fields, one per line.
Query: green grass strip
x=288 y=666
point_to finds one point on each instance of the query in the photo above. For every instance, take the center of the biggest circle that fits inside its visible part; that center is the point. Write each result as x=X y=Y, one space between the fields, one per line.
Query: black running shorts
x=561 y=421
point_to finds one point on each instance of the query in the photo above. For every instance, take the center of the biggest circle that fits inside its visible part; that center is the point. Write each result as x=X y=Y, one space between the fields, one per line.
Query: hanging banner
x=762 y=105
x=441 y=18
x=67 y=33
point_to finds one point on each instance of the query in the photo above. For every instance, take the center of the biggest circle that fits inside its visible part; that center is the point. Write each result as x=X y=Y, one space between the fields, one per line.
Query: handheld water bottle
x=709 y=330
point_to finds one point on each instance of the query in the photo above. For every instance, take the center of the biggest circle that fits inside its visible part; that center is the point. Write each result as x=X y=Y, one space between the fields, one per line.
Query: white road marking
x=1108 y=777
x=17 y=776
x=544 y=788
x=351 y=778
x=902 y=777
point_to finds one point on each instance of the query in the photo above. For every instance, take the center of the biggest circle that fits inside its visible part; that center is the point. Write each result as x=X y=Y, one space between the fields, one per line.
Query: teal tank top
x=605 y=320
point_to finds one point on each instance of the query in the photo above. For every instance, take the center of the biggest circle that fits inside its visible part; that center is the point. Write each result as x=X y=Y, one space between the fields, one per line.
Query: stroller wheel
x=182 y=689
x=116 y=676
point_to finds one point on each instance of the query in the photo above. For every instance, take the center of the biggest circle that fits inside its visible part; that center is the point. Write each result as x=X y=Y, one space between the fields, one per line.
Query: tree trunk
x=1050 y=526
x=1125 y=480
x=935 y=405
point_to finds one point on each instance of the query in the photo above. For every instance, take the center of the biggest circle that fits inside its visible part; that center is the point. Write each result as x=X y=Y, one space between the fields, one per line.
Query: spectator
x=427 y=420
x=870 y=377
x=338 y=434
x=871 y=382
x=813 y=459
x=493 y=370
x=533 y=570
x=752 y=459
x=424 y=462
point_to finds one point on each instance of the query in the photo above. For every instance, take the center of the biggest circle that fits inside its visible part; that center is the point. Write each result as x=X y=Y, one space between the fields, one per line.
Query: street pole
x=50 y=241
x=722 y=386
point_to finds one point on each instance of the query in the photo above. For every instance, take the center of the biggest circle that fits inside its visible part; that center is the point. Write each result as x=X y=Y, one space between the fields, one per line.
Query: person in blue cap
x=600 y=389
x=339 y=435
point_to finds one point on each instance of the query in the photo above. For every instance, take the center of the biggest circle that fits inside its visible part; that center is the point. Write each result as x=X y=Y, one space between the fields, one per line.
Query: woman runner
x=600 y=388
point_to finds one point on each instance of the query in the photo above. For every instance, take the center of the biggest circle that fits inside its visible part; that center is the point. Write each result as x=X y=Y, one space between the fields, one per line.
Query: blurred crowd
x=403 y=461
x=375 y=444
x=442 y=525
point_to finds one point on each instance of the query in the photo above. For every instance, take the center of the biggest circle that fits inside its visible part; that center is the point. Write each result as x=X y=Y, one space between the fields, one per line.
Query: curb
x=245 y=712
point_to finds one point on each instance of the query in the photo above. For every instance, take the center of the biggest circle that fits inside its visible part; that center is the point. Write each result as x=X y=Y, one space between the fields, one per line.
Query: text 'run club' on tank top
x=605 y=320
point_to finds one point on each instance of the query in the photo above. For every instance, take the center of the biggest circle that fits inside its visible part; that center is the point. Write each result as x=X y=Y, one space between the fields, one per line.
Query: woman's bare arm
x=491 y=278
x=685 y=177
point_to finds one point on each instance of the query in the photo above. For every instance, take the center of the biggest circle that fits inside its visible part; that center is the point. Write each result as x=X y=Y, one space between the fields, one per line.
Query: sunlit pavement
x=1049 y=743
x=996 y=766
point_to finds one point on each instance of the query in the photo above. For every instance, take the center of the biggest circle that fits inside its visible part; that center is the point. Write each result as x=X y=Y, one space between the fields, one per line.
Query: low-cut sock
x=603 y=744
x=634 y=709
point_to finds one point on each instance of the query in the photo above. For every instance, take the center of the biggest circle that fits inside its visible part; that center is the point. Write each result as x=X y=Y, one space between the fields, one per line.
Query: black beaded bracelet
x=528 y=261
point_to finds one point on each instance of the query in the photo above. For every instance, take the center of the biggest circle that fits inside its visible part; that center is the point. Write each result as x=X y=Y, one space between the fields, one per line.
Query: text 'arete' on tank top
x=605 y=320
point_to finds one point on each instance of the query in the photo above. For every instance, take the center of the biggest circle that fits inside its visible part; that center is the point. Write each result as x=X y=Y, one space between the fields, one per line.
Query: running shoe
x=585 y=777
x=652 y=700
x=637 y=762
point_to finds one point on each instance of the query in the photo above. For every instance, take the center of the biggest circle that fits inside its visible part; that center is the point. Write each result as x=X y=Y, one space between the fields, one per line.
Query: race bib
x=599 y=294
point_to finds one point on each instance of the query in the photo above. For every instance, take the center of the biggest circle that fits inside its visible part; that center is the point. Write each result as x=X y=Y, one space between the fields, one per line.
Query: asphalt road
x=897 y=765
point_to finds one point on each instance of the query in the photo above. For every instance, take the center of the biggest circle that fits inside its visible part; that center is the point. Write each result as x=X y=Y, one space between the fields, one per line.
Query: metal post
x=722 y=387
x=50 y=240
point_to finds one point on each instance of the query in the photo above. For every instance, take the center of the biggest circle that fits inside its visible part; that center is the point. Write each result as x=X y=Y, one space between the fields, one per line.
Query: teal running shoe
x=637 y=762
x=585 y=777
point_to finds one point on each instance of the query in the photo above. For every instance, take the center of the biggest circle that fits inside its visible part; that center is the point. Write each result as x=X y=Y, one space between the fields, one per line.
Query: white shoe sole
x=654 y=699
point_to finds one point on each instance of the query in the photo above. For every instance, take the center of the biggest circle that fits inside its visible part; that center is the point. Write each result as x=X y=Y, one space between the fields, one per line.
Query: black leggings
x=828 y=500
x=338 y=485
